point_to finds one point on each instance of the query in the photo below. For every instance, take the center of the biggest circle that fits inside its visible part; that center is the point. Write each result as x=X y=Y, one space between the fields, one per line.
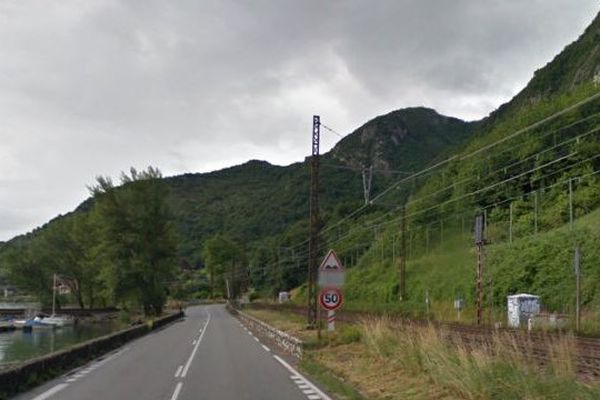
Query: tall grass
x=501 y=368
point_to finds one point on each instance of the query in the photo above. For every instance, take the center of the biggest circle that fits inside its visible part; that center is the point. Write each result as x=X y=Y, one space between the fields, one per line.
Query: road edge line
x=50 y=392
x=295 y=372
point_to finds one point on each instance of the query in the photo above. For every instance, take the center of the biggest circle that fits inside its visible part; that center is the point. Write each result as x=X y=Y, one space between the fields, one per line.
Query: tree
x=26 y=267
x=138 y=241
x=226 y=262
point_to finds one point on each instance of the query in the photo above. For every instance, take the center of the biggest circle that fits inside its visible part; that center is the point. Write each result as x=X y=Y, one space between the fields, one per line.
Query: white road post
x=331 y=321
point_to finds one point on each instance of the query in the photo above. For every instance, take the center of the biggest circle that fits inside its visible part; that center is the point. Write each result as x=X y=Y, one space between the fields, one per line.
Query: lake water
x=18 y=345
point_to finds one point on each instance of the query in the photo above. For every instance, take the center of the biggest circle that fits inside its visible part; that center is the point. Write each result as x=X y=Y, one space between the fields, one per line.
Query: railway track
x=544 y=348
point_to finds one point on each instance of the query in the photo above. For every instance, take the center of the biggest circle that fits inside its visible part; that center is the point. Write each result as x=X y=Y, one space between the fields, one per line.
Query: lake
x=19 y=345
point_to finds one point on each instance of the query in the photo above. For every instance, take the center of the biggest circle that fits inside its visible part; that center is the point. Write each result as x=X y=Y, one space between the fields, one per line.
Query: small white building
x=521 y=307
x=284 y=297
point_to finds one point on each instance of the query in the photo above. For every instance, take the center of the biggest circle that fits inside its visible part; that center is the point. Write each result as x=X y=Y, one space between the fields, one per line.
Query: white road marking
x=193 y=341
x=177 y=391
x=303 y=386
x=189 y=361
x=255 y=338
x=296 y=373
x=48 y=393
x=178 y=371
x=266 y=348
x=309 y=391
x=313 y=397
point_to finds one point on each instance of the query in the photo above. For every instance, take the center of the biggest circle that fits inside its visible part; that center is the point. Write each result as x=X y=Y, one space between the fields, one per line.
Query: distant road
x=206 y=356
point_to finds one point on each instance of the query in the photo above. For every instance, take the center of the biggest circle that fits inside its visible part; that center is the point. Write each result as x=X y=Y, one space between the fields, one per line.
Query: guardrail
x=285 y=341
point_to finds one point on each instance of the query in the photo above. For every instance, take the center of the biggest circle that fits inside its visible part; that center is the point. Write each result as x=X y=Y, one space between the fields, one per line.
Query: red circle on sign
x=331 y=298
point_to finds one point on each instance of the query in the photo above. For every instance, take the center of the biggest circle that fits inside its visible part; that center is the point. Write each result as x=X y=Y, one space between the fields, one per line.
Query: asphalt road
x=209 y=355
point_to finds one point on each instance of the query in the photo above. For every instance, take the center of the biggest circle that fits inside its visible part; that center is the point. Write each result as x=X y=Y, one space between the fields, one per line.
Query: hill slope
x=532 y=168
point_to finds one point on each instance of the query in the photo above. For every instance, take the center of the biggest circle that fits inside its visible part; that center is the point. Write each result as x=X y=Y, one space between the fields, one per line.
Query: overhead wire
x=426 y=170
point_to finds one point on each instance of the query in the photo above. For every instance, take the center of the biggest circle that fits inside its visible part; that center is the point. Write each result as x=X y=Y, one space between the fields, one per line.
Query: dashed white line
x=178 y=371
x=255 y=338
x=48 y=393
x=266 y=348
x=189 y=361
x=319 y=394
x=177 y=391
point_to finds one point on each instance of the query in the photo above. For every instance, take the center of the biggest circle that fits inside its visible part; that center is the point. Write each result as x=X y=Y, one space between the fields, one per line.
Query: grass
x=499 y=370
x=381 y=359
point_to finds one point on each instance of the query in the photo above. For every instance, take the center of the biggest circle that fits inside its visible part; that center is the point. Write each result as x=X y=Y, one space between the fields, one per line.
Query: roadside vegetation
x=122 y=252
x=382 y=359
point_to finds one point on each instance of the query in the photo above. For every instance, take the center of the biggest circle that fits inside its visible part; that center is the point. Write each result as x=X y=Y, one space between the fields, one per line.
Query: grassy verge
x=379 y=359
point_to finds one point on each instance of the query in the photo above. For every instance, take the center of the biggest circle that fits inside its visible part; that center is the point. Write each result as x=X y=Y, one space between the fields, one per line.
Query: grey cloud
x=89 y=88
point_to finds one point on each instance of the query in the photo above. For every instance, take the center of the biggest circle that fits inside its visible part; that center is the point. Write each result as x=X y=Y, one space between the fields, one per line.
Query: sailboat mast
x=54 y=294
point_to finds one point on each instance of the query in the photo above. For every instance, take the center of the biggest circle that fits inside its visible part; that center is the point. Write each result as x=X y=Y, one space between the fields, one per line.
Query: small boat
x=30 y=324
x=57 y=320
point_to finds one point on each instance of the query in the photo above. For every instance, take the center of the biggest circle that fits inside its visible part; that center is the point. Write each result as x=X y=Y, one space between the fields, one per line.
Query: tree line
x=122 y=252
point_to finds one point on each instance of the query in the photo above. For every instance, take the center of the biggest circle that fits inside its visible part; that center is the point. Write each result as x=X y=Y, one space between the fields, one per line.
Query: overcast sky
x=91 y=88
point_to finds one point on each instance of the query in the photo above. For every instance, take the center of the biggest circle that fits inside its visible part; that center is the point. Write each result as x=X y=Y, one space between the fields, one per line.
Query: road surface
x=208 y=355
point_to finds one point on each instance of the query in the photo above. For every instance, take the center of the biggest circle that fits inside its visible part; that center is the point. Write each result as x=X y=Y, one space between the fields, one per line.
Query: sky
x=93 y=87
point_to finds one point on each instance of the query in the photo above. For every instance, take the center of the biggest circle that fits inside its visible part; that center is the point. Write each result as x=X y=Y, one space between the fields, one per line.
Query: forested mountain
x=257 y=200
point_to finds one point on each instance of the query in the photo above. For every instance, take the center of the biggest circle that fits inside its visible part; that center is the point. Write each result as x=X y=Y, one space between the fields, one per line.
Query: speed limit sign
x=331 y=298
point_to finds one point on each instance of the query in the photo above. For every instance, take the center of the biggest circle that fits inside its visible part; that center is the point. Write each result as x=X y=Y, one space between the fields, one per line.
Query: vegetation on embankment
x=540 y=264
x=384 y=360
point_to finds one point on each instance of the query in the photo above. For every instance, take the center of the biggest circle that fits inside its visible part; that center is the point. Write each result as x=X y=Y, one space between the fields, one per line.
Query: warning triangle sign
x=331 y=263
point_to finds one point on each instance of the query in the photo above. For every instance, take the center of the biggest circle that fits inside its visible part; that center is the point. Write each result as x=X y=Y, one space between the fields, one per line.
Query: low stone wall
x=75 y=312
x=20 y=377
x=285 y=341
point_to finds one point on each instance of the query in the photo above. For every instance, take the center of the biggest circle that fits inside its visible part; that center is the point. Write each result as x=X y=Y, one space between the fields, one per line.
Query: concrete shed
x=521 y=307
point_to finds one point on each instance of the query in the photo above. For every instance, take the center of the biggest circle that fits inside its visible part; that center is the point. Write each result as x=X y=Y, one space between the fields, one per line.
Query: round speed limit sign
x=331 y=298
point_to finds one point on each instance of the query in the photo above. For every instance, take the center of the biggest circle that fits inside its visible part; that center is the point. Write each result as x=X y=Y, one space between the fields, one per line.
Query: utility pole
x=510 y=222
x=535 y=206
x=480 y=242
x=313 y=241
x=402 y=286
x=577 y=265
x=367 y=177
x=570 y=203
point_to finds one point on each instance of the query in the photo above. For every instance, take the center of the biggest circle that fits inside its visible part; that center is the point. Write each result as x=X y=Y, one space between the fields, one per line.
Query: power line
x=466 y=156
x=331 y=130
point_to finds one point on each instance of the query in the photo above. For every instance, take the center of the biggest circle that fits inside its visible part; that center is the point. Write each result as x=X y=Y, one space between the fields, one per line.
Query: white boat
x=55 y=320
x=31 y=323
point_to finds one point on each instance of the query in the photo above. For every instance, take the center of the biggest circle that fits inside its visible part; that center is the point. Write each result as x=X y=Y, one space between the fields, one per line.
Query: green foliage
x=226 y=264
x=137 y=239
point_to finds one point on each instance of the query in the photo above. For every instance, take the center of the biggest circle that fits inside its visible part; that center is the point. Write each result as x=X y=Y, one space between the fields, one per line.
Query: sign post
x=331 y=277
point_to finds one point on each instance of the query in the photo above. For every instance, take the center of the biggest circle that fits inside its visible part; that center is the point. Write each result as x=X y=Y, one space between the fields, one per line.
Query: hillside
x=257 y=201
x=533 y=171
